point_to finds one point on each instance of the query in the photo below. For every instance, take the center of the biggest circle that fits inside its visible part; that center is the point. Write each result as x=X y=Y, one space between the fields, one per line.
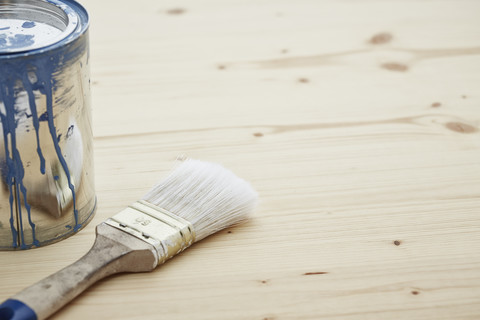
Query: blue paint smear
x=18 y=41
x=70 y=131
x=28 y=24
x=4 y=28
x=43 y=116
x=45 y=67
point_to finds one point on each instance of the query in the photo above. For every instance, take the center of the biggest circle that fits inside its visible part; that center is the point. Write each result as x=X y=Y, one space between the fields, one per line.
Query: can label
x=46 y=157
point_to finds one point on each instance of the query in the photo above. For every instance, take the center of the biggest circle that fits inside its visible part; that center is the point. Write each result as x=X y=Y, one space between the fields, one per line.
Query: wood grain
x=356 y=121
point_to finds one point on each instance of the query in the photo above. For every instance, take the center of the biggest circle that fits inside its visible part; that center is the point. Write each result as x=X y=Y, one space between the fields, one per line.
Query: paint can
x=46 y=158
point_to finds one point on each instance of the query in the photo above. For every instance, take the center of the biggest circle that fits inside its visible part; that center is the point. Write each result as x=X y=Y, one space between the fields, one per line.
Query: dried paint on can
x=46 y=157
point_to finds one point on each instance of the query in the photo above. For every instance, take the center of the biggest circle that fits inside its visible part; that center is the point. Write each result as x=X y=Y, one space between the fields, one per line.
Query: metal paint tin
x=46 y=157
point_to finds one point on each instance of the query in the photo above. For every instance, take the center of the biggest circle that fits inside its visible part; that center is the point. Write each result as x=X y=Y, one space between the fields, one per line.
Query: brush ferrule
x=168 y=233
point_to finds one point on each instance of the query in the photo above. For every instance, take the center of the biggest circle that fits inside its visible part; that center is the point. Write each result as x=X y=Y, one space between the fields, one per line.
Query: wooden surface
x=356 y=121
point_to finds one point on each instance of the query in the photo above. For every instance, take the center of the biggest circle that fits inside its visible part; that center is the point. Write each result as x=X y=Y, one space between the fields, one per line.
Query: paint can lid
x=27 y=25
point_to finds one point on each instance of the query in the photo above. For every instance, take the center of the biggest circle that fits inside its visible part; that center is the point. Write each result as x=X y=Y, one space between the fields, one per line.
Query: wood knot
x=460 y=127
x=176 y=11
x=314 y=273
x=381 y=38
x=395 y=66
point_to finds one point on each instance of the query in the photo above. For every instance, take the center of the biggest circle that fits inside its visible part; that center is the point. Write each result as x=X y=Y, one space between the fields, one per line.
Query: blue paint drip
x=28 y=24
x=45 y=64
x=16 y=171
x=9 y=164
x=44 y=76
x=34 y=115
x=44 y=68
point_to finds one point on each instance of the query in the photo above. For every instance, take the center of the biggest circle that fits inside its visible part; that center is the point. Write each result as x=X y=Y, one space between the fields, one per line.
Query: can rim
x=75 y=19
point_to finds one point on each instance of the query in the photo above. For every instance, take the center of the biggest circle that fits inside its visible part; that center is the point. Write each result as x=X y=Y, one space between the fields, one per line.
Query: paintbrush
x=196 y=200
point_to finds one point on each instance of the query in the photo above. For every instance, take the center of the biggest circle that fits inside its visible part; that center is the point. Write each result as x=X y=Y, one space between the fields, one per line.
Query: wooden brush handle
x=114 y=251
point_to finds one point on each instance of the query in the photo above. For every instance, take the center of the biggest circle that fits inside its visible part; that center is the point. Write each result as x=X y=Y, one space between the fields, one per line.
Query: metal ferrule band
x=168 y=233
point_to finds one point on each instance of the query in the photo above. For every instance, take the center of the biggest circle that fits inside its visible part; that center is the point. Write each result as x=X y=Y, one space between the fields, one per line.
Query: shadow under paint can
x=46 y=155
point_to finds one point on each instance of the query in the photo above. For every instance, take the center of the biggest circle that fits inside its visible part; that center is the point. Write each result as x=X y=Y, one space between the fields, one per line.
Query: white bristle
x=206 y=194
